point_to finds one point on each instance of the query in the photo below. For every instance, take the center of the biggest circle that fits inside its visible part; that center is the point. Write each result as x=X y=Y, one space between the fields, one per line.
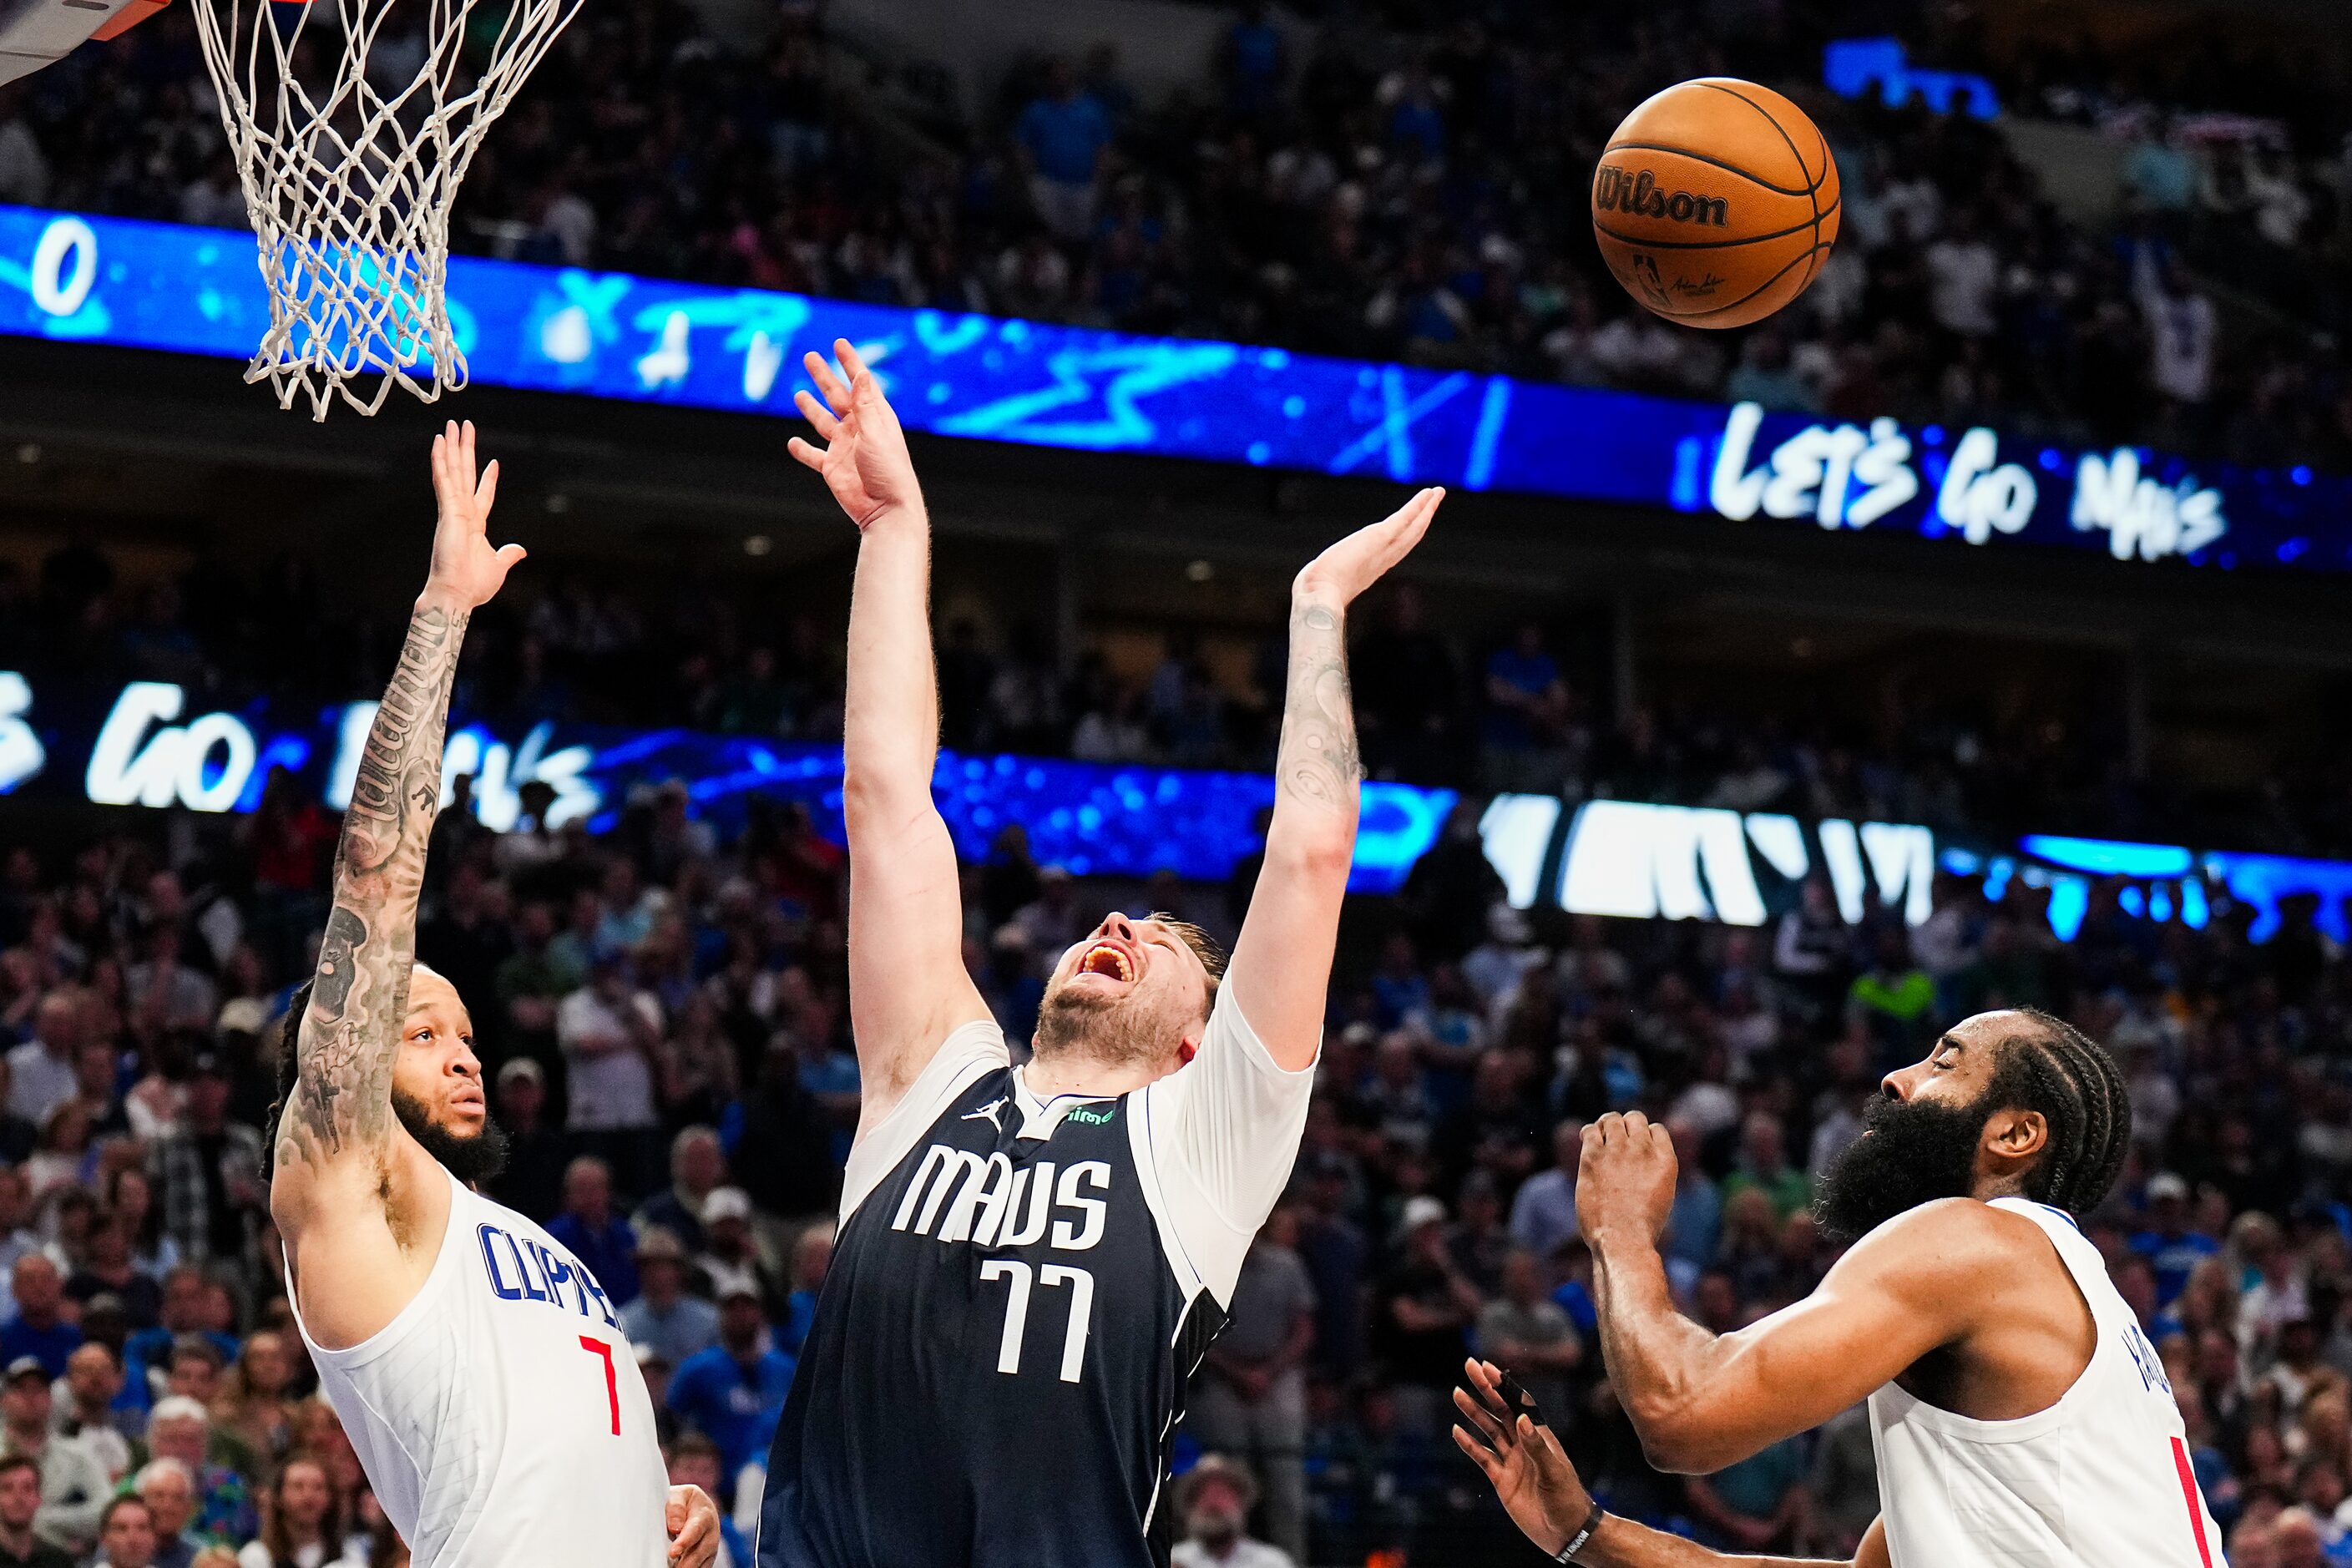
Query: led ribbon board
x=607 y=334
x=149 y=747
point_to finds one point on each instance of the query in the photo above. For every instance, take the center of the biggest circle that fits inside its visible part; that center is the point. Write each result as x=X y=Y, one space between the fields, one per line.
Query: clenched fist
x=1625 y=1180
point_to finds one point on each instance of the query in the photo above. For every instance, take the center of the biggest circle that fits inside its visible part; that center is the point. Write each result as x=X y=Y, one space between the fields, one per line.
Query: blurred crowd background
x=1405 y=180
x=662 y=1015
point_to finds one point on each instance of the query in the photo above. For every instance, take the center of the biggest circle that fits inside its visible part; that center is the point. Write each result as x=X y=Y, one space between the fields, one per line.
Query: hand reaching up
x=465 y=567
x=1353 y=564
x=864 y=460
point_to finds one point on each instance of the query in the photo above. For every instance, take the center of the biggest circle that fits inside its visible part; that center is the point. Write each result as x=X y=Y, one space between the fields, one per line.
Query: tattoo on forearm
x=1317 y=763
x=351 y=1035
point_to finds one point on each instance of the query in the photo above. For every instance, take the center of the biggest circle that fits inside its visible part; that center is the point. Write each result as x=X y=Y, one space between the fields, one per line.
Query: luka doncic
x=1032 y=1260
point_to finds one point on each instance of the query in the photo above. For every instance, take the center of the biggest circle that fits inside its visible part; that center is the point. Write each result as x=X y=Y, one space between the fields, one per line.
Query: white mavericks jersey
x=2100 y=1480
x=500 y=1416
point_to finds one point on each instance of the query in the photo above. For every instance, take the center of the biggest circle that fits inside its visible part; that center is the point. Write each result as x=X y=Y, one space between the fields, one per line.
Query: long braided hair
x=2068 y=1076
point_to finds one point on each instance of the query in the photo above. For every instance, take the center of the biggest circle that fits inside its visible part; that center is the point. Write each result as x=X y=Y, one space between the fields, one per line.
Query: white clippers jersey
x=2100 y=1480
x=501 y=1418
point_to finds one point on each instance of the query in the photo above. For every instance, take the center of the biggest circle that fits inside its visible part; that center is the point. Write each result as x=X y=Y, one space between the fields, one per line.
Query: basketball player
x=2018 y=1412
x=478 y=1368
x=1032 y=1261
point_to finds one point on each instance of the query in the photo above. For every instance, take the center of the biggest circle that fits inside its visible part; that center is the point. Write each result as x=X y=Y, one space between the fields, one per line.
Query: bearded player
x=2018 y=1413
x=1032 y=1261
x=478 y=1368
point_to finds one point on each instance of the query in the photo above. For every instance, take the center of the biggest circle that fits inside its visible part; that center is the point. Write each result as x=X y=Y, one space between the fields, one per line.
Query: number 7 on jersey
x=612 y=1383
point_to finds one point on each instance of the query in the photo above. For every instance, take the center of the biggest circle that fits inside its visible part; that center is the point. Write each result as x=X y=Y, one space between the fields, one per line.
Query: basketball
x=1715 y=203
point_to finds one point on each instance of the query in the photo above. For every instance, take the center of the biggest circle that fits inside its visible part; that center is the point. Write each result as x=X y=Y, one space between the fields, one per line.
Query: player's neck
x=1064 y=1073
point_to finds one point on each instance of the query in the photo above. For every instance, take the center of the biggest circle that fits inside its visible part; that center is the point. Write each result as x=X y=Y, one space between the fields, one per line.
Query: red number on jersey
x=612 y=1386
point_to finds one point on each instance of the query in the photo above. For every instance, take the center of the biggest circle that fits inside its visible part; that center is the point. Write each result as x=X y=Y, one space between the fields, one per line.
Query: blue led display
x=160 y=286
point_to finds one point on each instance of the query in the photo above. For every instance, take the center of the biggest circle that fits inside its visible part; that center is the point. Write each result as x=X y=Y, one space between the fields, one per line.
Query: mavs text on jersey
x=1020 y=1289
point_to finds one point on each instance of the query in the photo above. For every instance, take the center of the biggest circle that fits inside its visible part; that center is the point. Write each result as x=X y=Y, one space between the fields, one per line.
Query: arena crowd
x=1402 y=180
x=662 y=1018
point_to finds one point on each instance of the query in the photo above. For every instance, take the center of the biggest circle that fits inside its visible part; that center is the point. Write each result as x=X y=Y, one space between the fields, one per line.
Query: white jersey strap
x=968 y=1050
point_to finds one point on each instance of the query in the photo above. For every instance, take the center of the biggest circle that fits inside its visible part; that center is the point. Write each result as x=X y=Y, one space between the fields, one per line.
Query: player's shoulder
x=1944 y=1243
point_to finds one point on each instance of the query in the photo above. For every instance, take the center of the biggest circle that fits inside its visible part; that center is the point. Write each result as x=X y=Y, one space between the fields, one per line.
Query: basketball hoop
x=349 y=180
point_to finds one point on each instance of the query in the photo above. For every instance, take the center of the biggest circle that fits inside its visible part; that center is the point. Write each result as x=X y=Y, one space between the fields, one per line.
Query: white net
x=352 y=122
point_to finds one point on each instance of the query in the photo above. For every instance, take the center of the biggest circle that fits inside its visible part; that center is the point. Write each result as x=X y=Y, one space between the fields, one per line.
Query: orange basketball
x=1715 y=203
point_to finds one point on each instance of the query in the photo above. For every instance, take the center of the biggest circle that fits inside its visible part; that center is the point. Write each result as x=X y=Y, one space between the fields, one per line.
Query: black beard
x=1911 y=1152
x=472 y=1160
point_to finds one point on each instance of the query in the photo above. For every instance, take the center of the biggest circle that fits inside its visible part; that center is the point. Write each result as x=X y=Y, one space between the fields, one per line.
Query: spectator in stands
x=169 y=1491
x=1764 y=1167
x=1250 y=1398
x=39 y=1329
x=697 y=1164
x=93 y=1382
x=1061 y=138
x=126 y=1535
x=532 y=1179
x=1543 y=1214
x=74 y=1485
x=609 y=1029
x=1530 y=1335
x=694 y=1461
x=592 y=1233
x=1214 y=1499
x=303 y=1528
x=253 y=1409
x=1427 y=1309
x=734 y=1392
x=20 y=1503
x=180 y=1429
x=209 y=1173
x=664 y=1316
x=41 y=1075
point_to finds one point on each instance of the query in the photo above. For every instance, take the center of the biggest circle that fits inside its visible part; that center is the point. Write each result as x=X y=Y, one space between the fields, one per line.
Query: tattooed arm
x=336 y=1168
x=1282 y=963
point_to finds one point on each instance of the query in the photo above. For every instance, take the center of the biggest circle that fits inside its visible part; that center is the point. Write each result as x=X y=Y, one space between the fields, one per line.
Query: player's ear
x=2018 y=1134
x=1188 y=1045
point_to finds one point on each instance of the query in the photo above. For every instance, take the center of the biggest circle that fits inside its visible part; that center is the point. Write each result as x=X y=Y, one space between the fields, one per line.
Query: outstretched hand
x=1353 y=564
x=1537 y=1485
x=464 y=566
x=864 y=460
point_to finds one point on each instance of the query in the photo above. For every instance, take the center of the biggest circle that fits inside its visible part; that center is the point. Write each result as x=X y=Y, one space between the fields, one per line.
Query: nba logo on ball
x=1715 y=203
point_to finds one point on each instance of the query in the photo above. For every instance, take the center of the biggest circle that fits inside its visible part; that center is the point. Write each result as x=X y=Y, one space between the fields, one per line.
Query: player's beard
x=1911 y=1152
x=470 y=1159
x=1116 y=1031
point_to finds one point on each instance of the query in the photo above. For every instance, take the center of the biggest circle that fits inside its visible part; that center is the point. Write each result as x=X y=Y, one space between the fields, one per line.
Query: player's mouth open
x=1105 y=958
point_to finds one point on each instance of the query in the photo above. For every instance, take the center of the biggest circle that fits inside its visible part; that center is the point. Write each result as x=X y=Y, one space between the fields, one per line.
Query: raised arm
x=1701 y=1401
x=1546 y=1498
x=907 y=986
x=1282 y=961
x=335 y=1132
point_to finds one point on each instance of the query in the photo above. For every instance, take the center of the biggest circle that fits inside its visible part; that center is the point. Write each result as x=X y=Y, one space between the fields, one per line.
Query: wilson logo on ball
x=1638 y=195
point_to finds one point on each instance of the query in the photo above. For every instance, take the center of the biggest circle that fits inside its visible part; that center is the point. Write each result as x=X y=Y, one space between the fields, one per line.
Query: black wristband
x=1576 y=1543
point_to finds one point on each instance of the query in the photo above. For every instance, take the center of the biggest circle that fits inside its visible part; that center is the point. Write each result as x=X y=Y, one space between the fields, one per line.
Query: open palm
x=465 y=566
x=864 y=460
x=1531 y=1475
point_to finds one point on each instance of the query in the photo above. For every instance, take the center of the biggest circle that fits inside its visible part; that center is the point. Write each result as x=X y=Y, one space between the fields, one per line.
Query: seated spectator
x=1764 y=1164
x=304 y=1527
x=93 y=1382
x=664 y=1316
x=1060 y=138
x=812 y=1257
x=126 y=1535
x=531 y=1183
x=1426 y=1309
x=209 y=1172
x=180 y=1429
x=170 y=1493
x=1527 y=1334
x=20 y=1504
x=1214 y=1499
x=253 y=1409
x=592 y=1233
x=39 y=1329
x=74 y=1485
x=694 y=1461
x=734 y=1393
x=697 y=1164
